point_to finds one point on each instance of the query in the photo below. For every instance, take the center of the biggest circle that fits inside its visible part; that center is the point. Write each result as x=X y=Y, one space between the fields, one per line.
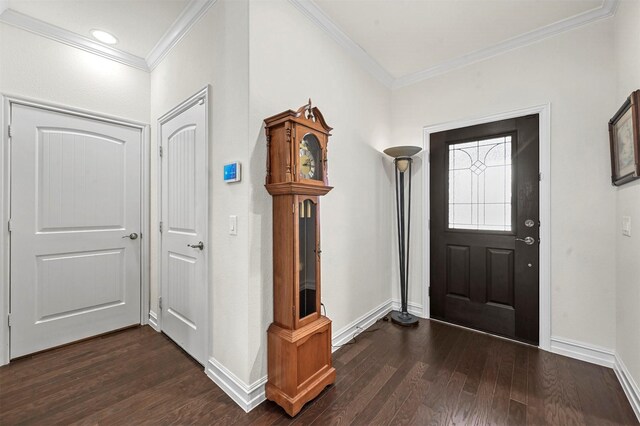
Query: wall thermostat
x=232 y=172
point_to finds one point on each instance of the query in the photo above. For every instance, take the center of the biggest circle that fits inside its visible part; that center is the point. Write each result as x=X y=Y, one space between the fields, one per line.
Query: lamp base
x=404 y=319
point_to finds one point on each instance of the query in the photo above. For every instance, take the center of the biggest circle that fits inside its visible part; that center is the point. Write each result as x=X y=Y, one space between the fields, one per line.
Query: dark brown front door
x=484 y=227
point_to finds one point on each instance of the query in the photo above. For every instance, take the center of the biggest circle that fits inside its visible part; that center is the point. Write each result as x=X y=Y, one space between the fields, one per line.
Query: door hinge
x=429 y=225
x=9 y=131
x=161 y=153
x=161 y=227
x=160 y=303
x=9 y=226
x=293 y=208
x=9 y=320
x=540 y=176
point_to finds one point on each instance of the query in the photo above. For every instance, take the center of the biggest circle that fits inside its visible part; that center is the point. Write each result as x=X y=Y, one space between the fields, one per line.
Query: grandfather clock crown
x=297 y=146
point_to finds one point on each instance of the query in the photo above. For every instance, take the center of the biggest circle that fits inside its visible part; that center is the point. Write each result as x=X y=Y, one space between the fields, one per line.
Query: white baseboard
x=153 y=320
x=250 y=396
x=604 y=357
x=412 y=308
x=629 y=385
x=246 y=396
x=354 y=328
x=583 y=351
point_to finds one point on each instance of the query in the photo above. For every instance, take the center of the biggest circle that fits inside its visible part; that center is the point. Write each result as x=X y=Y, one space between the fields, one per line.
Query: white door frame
x=544 y=112
x=5 y=207
x=201 y=95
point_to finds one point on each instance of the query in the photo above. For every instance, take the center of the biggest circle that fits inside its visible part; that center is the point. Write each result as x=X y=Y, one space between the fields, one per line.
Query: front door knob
x=200 y=245
x=527 y=240
x=132 y=236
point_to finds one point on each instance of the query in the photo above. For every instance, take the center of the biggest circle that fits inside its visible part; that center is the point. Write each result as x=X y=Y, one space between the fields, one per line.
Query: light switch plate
x=233 y=225
x=626 y=225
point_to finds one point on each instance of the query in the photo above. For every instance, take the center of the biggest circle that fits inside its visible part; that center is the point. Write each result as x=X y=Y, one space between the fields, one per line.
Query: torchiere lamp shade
x=402 y=151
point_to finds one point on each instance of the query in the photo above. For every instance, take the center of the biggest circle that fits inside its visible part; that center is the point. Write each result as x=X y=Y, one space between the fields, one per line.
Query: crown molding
x=36 y=26
x=315 y=13
x=192 y=12
x=321 y=19
x=607 y=10
x=197 y=8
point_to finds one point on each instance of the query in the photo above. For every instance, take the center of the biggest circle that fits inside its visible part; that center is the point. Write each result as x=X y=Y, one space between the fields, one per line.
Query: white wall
x=575 y=72
x=627 y=249
x=36 y=67
x=263 y=57
x=215 y=52
x=292 y=60
x=261 y=75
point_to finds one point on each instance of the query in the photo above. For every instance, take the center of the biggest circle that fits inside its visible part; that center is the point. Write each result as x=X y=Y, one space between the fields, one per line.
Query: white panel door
x=184 y=223
x=75 y=193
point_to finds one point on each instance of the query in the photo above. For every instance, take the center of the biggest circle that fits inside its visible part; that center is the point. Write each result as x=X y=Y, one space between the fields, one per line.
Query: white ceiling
x=138 y=24
x=399 y=42
x=408 y=36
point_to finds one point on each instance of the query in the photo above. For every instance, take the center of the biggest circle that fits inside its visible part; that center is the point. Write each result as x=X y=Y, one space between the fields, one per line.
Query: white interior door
x=184 y=224
x=75 y=193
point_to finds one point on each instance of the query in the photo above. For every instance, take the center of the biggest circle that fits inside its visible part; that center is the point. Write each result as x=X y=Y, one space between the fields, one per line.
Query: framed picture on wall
x=624 y=136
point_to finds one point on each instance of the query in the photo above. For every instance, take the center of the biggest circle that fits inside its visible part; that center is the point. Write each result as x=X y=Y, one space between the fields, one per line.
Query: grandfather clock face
x=310 y=160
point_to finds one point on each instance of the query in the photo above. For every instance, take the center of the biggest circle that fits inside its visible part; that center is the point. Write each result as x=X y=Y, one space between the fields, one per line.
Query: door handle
x=132 y=236
x=527 y=240
x=200 y=245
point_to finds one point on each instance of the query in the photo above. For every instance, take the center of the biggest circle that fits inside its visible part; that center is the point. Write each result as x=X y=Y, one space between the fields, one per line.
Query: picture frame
x=624 y=141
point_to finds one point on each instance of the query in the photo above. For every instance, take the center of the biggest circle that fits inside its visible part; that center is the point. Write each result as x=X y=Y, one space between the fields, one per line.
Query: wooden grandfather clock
x=299 y=339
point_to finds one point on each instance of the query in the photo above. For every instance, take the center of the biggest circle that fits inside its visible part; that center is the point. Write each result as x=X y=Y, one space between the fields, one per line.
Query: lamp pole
x=403 y=164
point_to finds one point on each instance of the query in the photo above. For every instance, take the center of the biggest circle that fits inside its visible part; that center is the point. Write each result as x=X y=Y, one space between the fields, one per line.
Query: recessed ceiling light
x=104 y=37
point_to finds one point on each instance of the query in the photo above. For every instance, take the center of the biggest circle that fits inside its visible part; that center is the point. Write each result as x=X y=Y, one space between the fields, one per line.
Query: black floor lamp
x=403 y=161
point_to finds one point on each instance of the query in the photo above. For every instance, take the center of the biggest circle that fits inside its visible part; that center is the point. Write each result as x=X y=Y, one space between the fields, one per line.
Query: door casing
x=5 y=207
x=544 y=112
x=201 y=95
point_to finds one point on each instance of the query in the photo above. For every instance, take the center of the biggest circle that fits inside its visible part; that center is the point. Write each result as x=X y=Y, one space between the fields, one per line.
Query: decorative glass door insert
x=480 y=184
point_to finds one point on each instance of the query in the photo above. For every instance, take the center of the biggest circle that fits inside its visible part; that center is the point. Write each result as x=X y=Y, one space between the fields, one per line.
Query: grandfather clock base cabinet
x=299 y=339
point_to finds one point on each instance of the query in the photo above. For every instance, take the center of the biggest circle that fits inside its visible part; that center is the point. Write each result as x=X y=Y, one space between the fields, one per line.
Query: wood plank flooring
x=435 y=374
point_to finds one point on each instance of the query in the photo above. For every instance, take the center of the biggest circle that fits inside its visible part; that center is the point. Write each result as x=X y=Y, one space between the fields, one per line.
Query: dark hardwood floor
x=433 y=374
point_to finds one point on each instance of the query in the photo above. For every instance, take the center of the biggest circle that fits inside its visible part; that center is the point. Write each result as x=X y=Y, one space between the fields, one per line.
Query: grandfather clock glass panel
x=308 y=252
